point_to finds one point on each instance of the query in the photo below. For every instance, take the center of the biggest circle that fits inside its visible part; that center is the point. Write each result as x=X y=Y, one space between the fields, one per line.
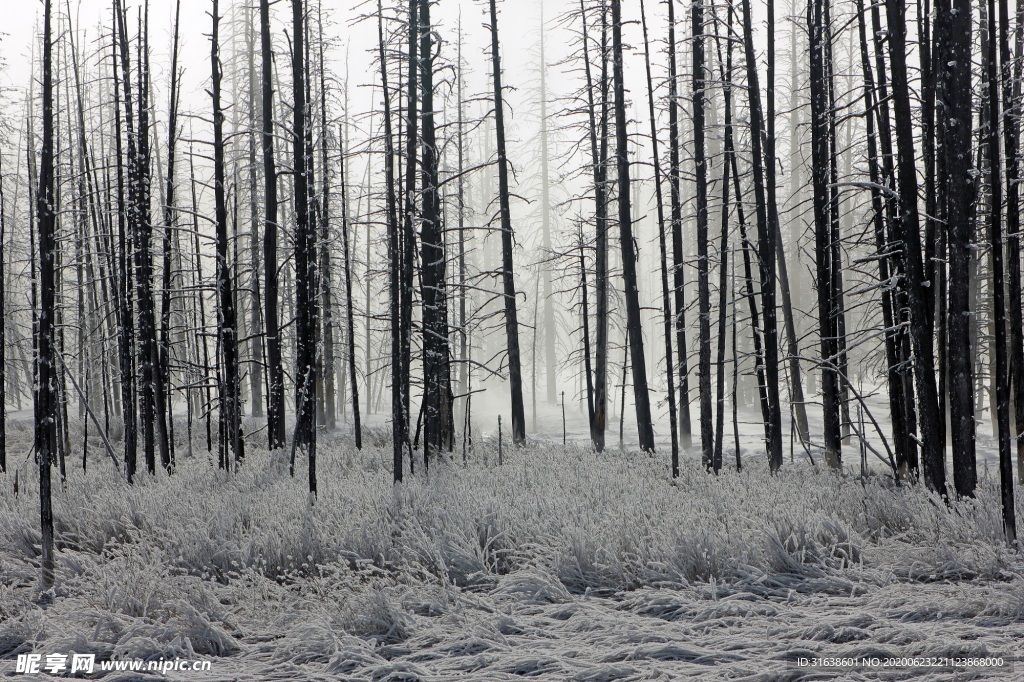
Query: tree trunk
x=707 y=434
x=550 y=371
x=399 y=380
x=723 y=261
x=305 y=253
x=666 y=301
x=767 y=225
x=1011 y=74
x=823 y=208
x=598 y=129
x=1002 y=374
x=169 y=228
x=676 y=220
x=230 y=389
x=508 y=278
x=897 y=407
x=634 y=328
x=275 y=392
x=46 y=361
x=349 y=311
x=932 y=449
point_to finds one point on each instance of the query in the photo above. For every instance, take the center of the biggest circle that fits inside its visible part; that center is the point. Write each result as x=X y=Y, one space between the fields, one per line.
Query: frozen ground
x=560 y=564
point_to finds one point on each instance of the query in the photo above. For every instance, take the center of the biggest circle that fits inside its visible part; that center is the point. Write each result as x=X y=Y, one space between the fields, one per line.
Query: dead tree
x=275 y=392
x=508 y=277
x=597 y=114
x=1011 y=79
x=634 y=328
x=230 y=386
x=169 y=219
x=305 y=254
x=767 y=228
x=918 y=286
x=821 y=170
x=998 y=291
x=662 y=250
x=46 y=403
x=399 y=380
x=700 y=168
x=676 y=222
x=955 y=121
x=3 y=328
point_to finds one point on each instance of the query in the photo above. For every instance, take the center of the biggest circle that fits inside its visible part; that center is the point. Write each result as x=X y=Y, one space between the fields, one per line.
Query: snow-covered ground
x=560 y=564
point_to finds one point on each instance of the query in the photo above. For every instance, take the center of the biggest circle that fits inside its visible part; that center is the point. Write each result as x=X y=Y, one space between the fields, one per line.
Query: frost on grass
x=561 y=564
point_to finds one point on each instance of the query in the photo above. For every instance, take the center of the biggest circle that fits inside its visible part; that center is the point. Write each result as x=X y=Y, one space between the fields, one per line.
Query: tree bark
x=676 y=221
x=305 y=253
x=230 y=389
x=666 y=301
x=707 y=433
x=932 y=448
x=507 y=275
x=767 y=219
x=46 y=361
x=634 y=328
x=955 y=119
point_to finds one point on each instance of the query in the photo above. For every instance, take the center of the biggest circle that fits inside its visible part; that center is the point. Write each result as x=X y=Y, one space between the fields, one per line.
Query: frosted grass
x=561 y=564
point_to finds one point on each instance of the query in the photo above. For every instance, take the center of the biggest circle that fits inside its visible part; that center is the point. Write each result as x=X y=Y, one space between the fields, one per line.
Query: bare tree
x=46 y=359
x=305 y=253
x=507 y=275
x=275 y=393
x=231 y=440
x=634 y=328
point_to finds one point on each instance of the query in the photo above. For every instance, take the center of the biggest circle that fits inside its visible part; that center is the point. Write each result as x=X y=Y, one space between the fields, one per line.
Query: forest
x=445 y=325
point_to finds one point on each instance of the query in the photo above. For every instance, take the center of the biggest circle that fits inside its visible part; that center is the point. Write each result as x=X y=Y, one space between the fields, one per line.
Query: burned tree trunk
x=46 y=404
x=598 y=131
x=662 y=250
x=676 y=221
x=998 y=293
x=767 y=231
x=275 y=392
x=230 y=387
x=399 y=380
x=634 y=328
x=932 y=448
x=507 y=275
x=821 y=170
x=955 y=120
x=305 y=254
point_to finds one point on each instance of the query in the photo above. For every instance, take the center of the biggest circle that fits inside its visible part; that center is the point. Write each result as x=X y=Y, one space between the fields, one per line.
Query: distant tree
x=597 y=120
x=550 y=370
x=1011 y=101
